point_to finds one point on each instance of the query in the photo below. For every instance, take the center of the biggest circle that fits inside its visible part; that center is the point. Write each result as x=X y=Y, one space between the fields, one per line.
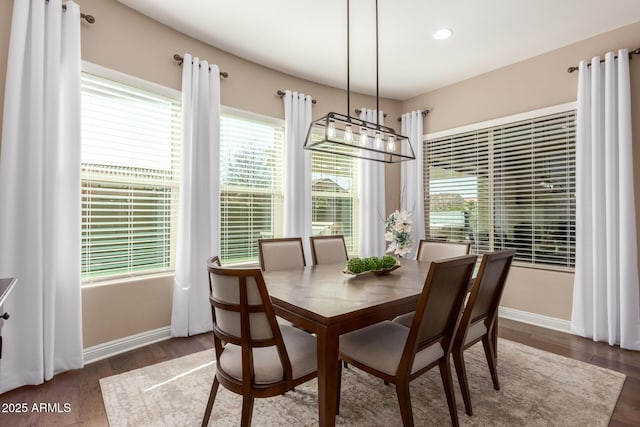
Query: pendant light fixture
x=344 y=135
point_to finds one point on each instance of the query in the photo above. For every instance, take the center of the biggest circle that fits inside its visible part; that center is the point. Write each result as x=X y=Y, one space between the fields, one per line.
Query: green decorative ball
x=356 y=265
x=370 y=264
x=388 y=261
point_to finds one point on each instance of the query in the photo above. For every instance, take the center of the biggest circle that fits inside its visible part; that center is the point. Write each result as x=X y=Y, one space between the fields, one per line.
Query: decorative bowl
x=381 y=272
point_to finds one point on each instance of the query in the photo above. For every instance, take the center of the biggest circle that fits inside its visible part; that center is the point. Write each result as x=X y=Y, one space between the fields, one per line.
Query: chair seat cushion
x=476 y=330
x=405 y=320
x=301 y=348
x=380 y=346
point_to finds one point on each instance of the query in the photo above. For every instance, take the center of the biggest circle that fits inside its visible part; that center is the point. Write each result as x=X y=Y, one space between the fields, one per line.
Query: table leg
x=328 y=341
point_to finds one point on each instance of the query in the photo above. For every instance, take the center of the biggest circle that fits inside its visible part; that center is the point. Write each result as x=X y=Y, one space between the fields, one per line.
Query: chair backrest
x=281 y=254
x=328 y=249
x=431 y=250
x=487 y=290
x=440 y=305
x=243 y=315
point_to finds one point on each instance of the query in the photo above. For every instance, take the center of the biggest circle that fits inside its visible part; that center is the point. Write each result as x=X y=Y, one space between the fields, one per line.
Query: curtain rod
x=424 y=114
x=89 y=18
x=631 y=53
x=358 y=111
x=280 y=93
x=179 y=59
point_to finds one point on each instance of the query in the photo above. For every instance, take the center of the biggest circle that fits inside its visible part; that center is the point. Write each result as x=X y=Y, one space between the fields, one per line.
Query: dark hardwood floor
x=81 y=390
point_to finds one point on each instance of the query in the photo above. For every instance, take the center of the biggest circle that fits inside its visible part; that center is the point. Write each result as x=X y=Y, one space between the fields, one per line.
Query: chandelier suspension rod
x=377 y=72
x=348 y=65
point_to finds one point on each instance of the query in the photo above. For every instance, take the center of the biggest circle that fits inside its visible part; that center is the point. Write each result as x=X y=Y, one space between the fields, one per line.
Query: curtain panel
x=40 y=193
x=411 y=177
x=371 y=191
x=297 y=168
x=606 y=304
x=199 y=209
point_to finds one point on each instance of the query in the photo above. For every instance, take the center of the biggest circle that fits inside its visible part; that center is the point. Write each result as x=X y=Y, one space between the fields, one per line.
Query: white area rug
x=537 y=389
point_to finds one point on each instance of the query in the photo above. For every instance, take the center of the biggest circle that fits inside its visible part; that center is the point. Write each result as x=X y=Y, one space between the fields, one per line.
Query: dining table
x=325 y=300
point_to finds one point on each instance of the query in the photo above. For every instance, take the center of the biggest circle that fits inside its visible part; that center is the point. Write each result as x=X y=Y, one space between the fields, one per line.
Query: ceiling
x=307 y=38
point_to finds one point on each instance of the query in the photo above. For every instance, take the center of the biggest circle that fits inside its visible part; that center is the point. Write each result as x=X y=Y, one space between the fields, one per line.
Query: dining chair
x=328 y=249
x=281 y=254
x=432 y=250
x=255 y=356
x=399 y=355
x=479 y=318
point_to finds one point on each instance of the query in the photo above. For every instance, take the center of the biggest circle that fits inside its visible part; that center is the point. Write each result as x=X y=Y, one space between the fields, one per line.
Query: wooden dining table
x=324 y=300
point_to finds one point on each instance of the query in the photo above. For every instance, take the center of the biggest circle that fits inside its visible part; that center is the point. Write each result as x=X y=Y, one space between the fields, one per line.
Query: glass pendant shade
x=348 y=136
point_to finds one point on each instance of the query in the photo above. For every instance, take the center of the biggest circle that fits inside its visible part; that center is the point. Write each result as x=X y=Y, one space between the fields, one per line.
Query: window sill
x=555 y=268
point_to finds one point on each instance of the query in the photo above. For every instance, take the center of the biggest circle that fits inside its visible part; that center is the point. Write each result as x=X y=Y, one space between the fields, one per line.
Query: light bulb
x=348 y=133
x=331 y=129
x=378 y=141
x=364 y=139
x=391 y=144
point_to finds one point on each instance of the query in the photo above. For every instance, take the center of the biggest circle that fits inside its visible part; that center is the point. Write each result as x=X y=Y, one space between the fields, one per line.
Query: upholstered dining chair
x=399 y=355
x=255 y=356
x=432 y=250
x=328 y=249
x=281 y=254
x=479 y=318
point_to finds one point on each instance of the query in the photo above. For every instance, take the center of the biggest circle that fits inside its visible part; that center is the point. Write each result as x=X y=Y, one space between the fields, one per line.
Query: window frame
x=157 y=89
x=501 y=121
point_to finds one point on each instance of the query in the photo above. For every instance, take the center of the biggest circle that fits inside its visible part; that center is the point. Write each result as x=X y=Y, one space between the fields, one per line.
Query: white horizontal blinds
x=457 y=181
x=251 y=199
x=335 y=197
x=534 y=173
x=130 y=178
x=509 y=186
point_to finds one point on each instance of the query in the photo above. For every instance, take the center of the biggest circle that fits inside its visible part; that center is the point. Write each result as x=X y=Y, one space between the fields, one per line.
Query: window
x=506 y=186
x=130 y=178
x=335 y=197
x=251 y=190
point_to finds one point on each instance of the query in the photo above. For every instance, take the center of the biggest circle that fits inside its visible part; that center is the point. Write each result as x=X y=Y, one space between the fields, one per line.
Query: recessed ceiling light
x=443 y=33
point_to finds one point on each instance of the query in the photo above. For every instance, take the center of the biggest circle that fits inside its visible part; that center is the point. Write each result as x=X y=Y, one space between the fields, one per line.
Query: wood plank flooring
x=81 y=390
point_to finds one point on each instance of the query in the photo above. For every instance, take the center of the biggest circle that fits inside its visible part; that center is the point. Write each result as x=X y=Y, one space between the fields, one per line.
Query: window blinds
x=251 y=170
x=334 y=197
x=509 y=186
x=130 y=178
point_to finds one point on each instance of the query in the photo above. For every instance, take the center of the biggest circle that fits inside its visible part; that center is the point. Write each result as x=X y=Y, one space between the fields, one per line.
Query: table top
x=327 y=294
x=5 y=287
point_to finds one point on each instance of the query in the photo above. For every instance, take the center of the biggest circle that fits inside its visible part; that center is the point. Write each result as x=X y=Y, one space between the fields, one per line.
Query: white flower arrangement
x=398 y=232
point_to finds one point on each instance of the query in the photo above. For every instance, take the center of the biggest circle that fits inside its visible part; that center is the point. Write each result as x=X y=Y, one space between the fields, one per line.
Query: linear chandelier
x=344 y=135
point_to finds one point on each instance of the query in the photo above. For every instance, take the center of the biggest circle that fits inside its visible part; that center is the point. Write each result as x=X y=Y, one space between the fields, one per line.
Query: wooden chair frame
x=313 y=239
x=481 y=290
x=403 y=375
x=247 y=387
x=261 y=242
x=423 y=243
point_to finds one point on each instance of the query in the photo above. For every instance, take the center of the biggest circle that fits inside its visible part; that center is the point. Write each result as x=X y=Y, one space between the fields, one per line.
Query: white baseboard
x=121 y=345
x=535 y=319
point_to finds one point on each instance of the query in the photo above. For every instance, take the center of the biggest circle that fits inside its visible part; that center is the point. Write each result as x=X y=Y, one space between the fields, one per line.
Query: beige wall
x=539 y=82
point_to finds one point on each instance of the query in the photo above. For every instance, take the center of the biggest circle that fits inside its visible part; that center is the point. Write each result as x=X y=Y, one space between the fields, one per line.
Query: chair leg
x=447 y=383
x=212 y=398
x=339 y=387
x=490 y=354
x=247 y=411
x=461 y=371
x=404 y=401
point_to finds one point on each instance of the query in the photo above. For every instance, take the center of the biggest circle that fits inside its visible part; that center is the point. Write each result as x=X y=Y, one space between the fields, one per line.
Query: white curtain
x=606 y=304
x=199 y=209
x=372 y=198
x=297 y=168
x=411 y=174
x=40 y=193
